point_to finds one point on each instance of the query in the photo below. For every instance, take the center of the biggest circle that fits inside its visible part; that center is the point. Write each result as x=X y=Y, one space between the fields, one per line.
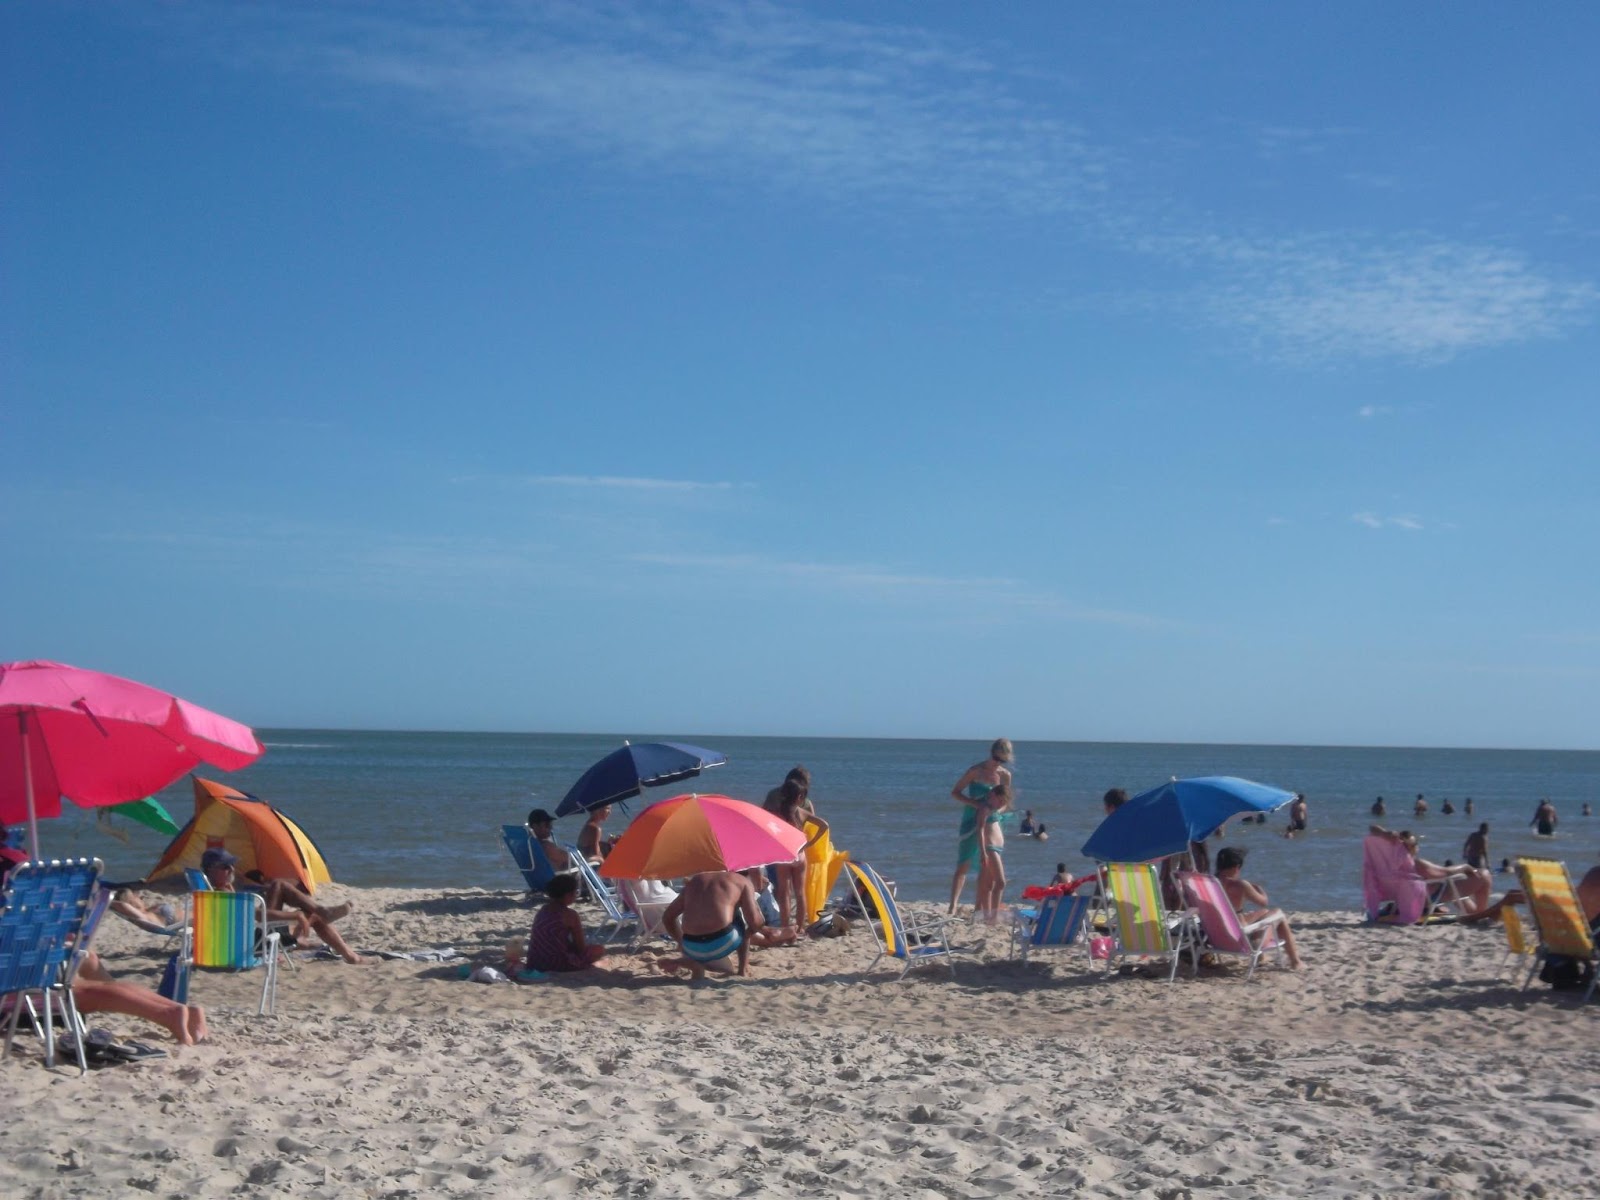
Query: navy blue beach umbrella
x=627 y=771
x=1166 y=819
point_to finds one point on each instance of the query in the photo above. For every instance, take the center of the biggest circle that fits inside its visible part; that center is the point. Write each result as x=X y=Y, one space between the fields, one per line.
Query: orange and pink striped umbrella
x=689 y=834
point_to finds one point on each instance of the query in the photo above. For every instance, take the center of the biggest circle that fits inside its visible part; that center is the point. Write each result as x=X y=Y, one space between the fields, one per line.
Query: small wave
x=300 y=745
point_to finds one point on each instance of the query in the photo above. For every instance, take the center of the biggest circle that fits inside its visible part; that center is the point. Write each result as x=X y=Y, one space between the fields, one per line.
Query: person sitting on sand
x=711 y=920
x=592 y=841
x=556 y=942
x=95 y=991
x=1230 y=864
x=220 y=867
x=774 y=932
x=542 y=825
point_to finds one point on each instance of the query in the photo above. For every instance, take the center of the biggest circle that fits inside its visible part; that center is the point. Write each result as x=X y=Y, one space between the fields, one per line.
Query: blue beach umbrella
x=627 y=771
x=1166 y=819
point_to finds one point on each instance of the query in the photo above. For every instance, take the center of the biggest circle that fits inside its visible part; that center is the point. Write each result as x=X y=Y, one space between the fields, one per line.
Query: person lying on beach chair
x=1471 y=885
x=303 y=916
x=712 y=920
x=162 y=919
x=94 y=990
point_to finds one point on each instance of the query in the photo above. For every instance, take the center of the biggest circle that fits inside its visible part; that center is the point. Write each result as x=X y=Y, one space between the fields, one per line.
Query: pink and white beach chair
x=1224 y=932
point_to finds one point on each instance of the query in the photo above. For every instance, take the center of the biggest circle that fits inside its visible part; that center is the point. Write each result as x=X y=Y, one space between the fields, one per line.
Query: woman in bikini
x=972 y=790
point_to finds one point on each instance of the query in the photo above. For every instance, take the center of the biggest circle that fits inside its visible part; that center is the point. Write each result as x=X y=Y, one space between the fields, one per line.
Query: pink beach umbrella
x=689 y=834
x=98 y=740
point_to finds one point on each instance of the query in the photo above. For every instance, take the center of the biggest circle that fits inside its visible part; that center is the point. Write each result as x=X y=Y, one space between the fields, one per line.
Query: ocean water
x=423 y=809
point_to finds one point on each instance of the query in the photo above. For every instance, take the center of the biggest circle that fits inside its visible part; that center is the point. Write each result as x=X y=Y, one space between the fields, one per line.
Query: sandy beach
x=1399 y=1062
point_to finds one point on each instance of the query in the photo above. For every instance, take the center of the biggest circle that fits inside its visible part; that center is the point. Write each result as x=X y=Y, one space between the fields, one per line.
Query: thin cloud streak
x=997 y=591
x=633 y=483
x=1405 y=521
x=847 y=111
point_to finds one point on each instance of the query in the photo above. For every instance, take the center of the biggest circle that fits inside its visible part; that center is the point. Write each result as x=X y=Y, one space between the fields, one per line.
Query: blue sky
x=1063 y=371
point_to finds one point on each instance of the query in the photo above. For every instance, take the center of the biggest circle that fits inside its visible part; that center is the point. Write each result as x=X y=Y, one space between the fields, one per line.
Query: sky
x=1082 y=372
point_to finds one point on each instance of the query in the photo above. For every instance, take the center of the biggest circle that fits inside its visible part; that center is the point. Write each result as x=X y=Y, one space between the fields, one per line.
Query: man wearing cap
x=541 y=824
x=285 y=902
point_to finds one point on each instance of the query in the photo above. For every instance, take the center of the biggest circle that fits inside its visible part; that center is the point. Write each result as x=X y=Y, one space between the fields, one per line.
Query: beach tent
x=262 y=837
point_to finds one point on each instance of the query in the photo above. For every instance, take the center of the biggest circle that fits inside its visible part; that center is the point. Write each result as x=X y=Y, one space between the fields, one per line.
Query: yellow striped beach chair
x=1557 y=917
x=1518 y=948
x=228 y=932
x=1141 y=925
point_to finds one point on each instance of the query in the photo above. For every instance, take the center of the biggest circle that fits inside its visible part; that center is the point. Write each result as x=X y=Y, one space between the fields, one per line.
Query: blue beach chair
x=1058 y=922
x=904 y=936
x=530 y=857
x=48 y=919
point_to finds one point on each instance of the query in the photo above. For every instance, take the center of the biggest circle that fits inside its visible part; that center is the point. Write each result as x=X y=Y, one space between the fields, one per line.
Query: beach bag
x=174 y=982
x=1565 y=974
x=828 y=925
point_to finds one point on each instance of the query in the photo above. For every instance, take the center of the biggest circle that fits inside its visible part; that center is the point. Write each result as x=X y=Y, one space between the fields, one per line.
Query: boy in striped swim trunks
x=712 y=921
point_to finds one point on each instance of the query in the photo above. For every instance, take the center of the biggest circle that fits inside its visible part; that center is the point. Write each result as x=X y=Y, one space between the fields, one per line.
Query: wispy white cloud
x=633 y=483
x=1320 y=298
x=1367 y=411
x=1000 y=592
x=848 y=111
x=1372 y=520
x=764 y=93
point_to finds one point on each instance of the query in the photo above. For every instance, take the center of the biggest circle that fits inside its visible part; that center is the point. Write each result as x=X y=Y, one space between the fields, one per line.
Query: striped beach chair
x=1518 y=948
x=906 y=937
x=1557 y=917
x=1224 y=932
x=619 y=919
x=1141 y=925
x=228 y=932
x=1058 y=922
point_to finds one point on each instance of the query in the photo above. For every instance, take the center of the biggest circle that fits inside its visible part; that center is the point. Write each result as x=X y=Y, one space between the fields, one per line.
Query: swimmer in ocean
x=1544 y=818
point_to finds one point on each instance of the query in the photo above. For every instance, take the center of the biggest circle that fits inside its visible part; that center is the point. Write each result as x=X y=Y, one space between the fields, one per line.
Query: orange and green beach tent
x=263 y=838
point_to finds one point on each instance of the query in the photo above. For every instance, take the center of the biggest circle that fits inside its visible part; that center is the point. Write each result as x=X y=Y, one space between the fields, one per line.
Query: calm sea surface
x=422 y=809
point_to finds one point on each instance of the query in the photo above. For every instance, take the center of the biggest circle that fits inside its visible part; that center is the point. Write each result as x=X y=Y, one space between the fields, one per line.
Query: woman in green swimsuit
x=972 y=791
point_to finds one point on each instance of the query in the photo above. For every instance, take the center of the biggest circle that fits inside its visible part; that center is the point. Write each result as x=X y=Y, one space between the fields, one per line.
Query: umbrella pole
x=27 y=787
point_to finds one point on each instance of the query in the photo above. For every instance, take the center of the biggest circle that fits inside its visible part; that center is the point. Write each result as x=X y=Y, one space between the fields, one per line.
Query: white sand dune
x=1400 y=1062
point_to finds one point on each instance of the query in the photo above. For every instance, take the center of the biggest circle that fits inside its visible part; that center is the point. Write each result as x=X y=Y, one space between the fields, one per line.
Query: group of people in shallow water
x=1544 y=822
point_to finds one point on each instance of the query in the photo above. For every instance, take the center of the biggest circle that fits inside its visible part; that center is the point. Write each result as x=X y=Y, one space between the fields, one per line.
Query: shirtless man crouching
x=712 y=920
